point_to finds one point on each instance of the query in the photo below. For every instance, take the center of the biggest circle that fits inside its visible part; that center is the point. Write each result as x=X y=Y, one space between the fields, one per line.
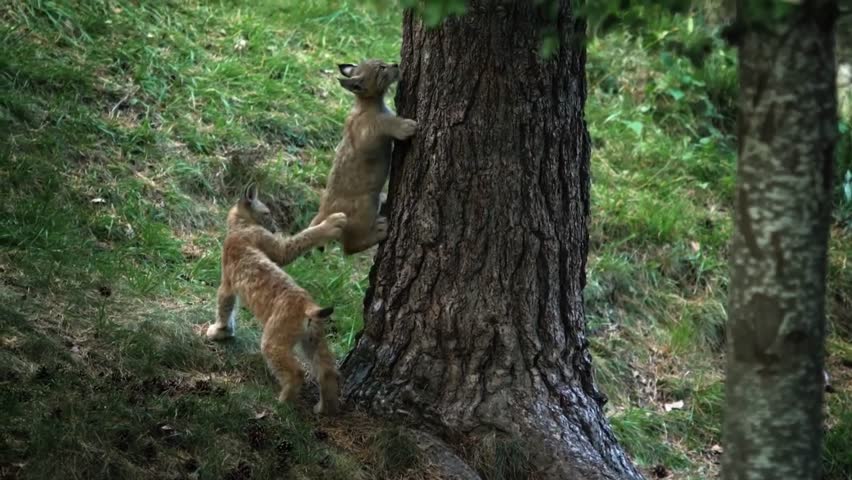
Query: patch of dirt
x=190 y=250
x=840 y=374
x=281 y=208
x=244 y=167
x=168 y=386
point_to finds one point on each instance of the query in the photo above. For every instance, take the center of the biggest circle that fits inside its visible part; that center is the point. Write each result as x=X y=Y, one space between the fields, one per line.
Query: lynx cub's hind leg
x=314 y=350
x=380 y=230
x=358 y=241
x=327 y=377
x=365 y=227
x=279 y=357
x=226 y=315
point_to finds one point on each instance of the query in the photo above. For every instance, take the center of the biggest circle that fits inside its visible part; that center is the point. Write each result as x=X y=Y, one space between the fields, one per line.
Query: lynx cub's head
x=369 y=79
x=249 y=210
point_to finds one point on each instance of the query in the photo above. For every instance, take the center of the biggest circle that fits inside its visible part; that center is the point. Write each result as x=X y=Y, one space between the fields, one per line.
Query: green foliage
x=637 y=15
x=766 y=13
x=434 y=12
x=843 y=175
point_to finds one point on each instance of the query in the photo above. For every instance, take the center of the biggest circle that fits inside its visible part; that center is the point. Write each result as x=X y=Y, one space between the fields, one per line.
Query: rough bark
x=474 y=321
x=776 y=325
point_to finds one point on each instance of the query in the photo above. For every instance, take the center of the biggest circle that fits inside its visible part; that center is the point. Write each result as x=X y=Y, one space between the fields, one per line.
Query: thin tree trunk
x=776 y=326
x=474 y=321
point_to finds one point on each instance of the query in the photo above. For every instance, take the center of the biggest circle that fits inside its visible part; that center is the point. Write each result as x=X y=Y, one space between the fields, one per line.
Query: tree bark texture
x=776 y=325
x=474 y=320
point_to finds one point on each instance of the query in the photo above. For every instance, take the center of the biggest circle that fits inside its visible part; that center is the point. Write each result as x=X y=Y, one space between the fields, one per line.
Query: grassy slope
x=128 y=131
x=663 y=115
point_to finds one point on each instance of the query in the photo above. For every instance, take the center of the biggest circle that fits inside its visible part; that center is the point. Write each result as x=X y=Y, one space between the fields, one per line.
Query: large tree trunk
x=776 y=324
x=474 y=321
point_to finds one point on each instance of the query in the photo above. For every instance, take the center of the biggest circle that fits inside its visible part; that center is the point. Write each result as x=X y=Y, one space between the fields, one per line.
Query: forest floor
x=129 y=127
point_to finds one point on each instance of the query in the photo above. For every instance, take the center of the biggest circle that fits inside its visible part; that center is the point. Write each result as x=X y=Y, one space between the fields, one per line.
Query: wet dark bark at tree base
x=474 y=321
x=776 y=330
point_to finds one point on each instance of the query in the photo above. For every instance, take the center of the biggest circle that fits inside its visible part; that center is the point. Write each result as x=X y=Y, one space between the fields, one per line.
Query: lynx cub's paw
x=322 y=409
x=219 y=332
x=334 y=224
x=381 y=228
x=406 y=128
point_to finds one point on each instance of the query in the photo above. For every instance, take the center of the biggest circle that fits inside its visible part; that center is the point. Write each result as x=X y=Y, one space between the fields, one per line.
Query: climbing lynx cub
x=362 y=158
x=291 y=321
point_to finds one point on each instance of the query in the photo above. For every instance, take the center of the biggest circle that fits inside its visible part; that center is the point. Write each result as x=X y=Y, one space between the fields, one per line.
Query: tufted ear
x=319 y=313
x=354 y=85
x=346 y=69
x=249 y=194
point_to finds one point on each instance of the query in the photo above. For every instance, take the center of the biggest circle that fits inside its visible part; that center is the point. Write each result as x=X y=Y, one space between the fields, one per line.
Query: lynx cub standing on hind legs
x=362 y=158
x=291 y=321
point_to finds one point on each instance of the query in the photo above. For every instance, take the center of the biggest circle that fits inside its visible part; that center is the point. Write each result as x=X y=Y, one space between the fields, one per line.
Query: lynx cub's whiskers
x=362 y=158
x=292 y=323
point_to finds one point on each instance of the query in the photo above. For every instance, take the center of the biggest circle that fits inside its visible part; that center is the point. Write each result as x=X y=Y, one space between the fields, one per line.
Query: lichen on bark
x=776 y=325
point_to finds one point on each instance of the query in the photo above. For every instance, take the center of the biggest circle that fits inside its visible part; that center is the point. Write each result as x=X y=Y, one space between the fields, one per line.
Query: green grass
x=145 y=121
x=662 y=114
x=127 y=130
x=140 y=398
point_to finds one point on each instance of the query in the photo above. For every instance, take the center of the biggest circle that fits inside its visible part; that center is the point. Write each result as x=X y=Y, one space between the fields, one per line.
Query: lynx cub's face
x=251 y=211
x=371 y=78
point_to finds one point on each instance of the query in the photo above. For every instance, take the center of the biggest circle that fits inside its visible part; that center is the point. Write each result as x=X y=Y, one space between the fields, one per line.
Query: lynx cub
x=362 y=158
x=292 y=322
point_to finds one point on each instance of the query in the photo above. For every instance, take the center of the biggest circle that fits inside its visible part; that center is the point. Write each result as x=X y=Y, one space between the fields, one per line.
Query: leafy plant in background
x=845 y=203
x=843 y=188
